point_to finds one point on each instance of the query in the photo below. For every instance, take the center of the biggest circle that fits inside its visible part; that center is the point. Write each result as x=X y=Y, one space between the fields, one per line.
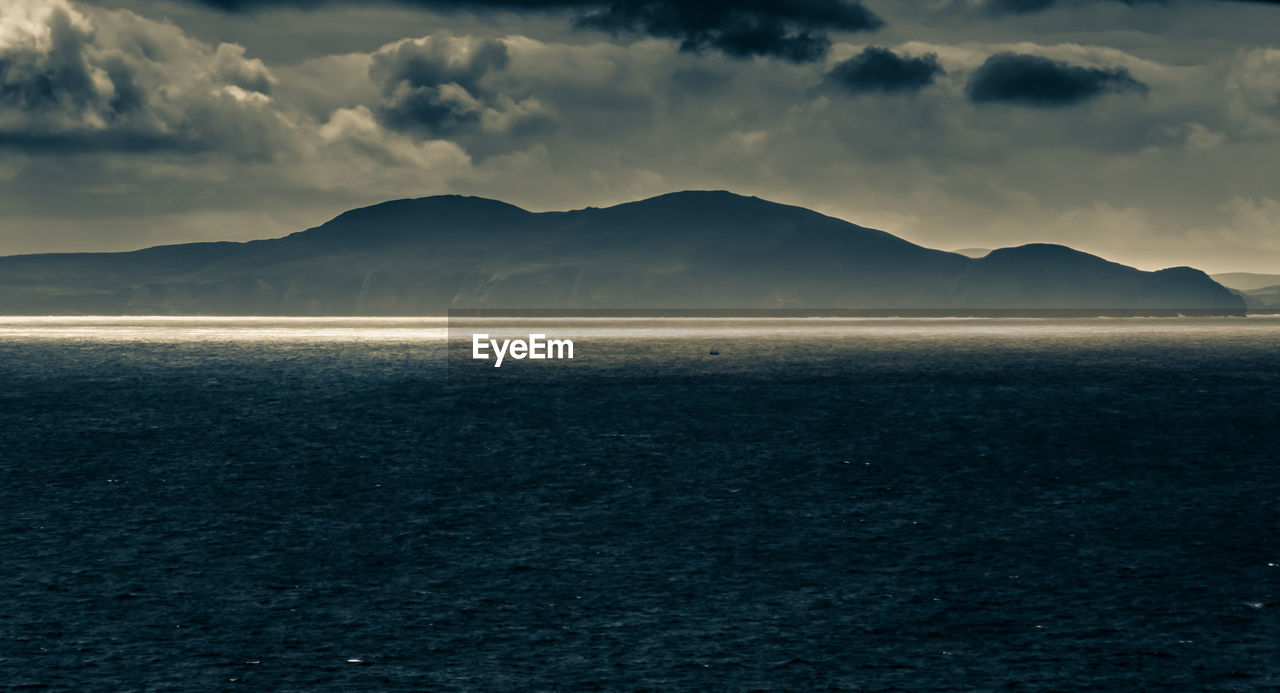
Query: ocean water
x=843 y=504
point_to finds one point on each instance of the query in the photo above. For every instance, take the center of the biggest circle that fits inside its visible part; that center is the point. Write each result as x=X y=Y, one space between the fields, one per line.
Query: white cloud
x=28 y=24
x=355 y=151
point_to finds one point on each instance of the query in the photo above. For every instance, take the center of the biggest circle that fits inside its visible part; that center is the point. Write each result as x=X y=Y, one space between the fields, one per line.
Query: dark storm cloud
x=447 y=86
x=1031 y=80
x=432 y=111
x=518 y=5
x=1018 y=6
x=793 y=30
x=433 y=62
x=878 y=69
x=432 y=86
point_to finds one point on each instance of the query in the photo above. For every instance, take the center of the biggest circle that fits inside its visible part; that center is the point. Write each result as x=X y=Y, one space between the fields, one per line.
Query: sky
x=1145 y=131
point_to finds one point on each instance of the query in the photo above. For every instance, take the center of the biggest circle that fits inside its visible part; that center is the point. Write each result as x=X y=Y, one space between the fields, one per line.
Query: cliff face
x=687 y=250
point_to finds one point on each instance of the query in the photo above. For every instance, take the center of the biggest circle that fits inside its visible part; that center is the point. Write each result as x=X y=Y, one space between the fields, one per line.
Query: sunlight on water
x=430 y=329
x=862 y=328
x=164 y=328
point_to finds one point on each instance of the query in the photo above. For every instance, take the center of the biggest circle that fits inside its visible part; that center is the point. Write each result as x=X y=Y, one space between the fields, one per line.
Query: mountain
x=1263 y=300
x=690 y=250
x=1261 y=292
x=1246 y=281
x=972 y=252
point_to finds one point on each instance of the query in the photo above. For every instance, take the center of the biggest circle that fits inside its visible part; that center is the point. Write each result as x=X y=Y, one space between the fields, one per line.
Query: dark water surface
x=830 y=505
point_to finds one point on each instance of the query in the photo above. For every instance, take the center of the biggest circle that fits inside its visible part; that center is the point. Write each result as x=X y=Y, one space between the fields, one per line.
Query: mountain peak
x=695 y=199
x=699 y=196
x=449 y=205
x=410 y=217
x=1040 y=251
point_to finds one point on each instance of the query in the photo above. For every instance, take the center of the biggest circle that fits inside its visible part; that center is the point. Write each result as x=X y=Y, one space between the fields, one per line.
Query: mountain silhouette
x=685 y=250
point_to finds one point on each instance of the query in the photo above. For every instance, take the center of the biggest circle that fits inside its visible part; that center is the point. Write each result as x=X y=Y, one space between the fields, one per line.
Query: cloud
x=1032 y=80
x=1031 y=7
x=47 y=80
x=439 y=60
x=354 y=137
x=434 y=86
x=1248 y=221
x=1253 y=90
x=171 y=137
x=476 y=5
x=231 y=66
x=792 y=30
x=116 y=81
x=878 y=69
x=1018 y=6
x=1195 y=136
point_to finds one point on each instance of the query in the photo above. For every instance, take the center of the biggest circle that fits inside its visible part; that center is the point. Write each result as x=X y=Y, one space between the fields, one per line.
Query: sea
x=823 y=504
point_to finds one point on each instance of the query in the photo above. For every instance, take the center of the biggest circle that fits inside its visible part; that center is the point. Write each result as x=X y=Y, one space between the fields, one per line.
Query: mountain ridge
x=681 y=250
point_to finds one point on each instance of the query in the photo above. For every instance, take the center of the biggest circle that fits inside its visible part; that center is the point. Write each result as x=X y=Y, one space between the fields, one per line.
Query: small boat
x=713 y=352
